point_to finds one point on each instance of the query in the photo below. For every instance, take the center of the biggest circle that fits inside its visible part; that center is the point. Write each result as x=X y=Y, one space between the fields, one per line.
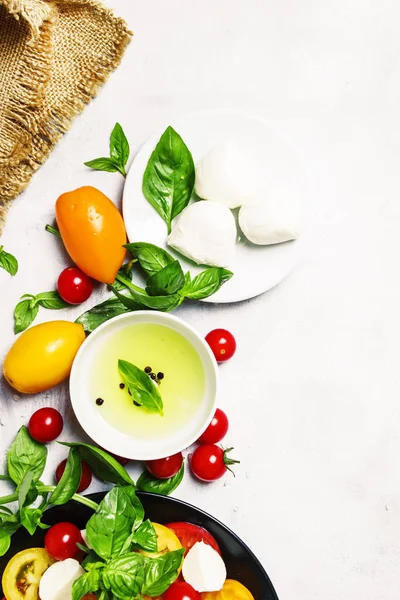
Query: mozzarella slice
x=225 y=174
x=56 y=582
x=204 y=569
x=85 y=538
x=206 y=233
x=272 y=219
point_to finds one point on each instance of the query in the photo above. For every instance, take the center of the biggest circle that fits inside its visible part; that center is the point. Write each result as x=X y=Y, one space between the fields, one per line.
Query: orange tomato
x=93 y=232
x=232 y=590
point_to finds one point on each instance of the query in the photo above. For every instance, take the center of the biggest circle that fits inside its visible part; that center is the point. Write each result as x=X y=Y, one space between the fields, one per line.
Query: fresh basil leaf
x=99 y=314
x=92 y=561
x=136 y=301
x=167 y=281
x=111 y=524
x=119 y=145
x=125 y=576
x=145 y=537
x=24 y=314
x=148 y=483
x=103 y=465
x=5 y=510
x=137 y=505
x=8 y=262
x=207 y=283
x=168 y=180
x=151 y=258
x=126 y=272
x=26 y=455
x=161 y=572
x=5 y=542
x=70 y=479
x=102 y=164
x=24 y=488
x=85 y=584
x=30 y=519
x=142 y=388
x=51 y=300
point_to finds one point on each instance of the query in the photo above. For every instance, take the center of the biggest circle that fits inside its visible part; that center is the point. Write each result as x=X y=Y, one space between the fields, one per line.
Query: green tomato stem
x=126 y=282
x=53 y=230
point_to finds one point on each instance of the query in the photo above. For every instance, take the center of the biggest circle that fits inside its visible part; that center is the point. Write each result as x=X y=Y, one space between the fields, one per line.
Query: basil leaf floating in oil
x=148 y=483
x=142 y=388
x=161 y=572
x=26 y=455
x=167 y=281
x=206 y=283
x=104 y=466
x=168 y=180
x=70 y=479
x=8 y=262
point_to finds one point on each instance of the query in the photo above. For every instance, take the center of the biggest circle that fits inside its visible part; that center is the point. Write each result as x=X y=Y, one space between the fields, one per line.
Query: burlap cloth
x=54 y=57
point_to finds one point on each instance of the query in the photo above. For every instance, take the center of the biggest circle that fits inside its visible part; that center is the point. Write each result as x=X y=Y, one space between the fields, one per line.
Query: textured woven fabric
x=54 y=57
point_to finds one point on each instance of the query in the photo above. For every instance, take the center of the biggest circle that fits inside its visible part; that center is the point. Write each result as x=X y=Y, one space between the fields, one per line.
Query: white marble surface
x=313 y=391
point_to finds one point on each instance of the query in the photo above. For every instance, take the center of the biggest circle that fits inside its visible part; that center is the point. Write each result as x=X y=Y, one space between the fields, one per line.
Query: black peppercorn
x=122 y=385
x=136 y=403
x=153 y=375
x=148 y=369
x=160 y=375
x=99 y=401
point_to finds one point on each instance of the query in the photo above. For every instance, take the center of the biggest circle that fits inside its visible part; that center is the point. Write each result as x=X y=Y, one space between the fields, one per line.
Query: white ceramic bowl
x=112 y=439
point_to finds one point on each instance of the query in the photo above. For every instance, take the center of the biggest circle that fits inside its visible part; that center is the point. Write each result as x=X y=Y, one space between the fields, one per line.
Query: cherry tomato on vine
x=45 y=425
x=180 y=590
x=217 y=429
x=61 y=539
x=189 y=534
x=210 y=462
x=222 y=344
x=86 y=477
x=163 y=468
x=74 y=286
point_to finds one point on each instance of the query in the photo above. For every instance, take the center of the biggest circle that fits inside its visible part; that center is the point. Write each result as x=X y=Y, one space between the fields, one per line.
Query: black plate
x=240 y=562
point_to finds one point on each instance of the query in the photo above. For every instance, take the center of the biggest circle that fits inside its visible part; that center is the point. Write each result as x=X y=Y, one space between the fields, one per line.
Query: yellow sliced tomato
x=232 y=590
x=22 y=574
x=167 y=541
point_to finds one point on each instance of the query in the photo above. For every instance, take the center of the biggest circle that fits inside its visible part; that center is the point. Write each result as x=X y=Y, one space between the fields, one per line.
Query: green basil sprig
x=148 y=483
x=166 y=286
x=141 y=387
x=119 y=154
x=168 y=180
x=27 y=309
x=8 y=262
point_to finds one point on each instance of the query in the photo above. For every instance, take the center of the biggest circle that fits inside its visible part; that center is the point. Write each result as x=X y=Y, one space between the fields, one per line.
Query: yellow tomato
x=167 y=541
x=232 y=590
x=22 y=574
x=93 y=232
x=42 y=356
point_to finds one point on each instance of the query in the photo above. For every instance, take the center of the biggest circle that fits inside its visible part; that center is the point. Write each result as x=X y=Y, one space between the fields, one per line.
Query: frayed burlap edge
x=14 y=178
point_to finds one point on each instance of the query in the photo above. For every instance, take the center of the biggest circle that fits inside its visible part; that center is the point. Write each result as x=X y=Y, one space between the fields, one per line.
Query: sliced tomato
x=22 y=574
x=188 y=534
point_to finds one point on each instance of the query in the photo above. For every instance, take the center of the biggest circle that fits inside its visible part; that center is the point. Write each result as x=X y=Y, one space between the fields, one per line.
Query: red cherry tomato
x=74 y=286
x=210 y=462
x=86 y=477
x=61 y=539
x=217 y=429
x=45 y=425
x=180 y=590
x=163 y=468
x=189 y=534
x=222 y=344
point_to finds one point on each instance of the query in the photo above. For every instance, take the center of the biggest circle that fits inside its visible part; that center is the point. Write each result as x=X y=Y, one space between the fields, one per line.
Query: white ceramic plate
x=256 y=268
x=112 y=439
